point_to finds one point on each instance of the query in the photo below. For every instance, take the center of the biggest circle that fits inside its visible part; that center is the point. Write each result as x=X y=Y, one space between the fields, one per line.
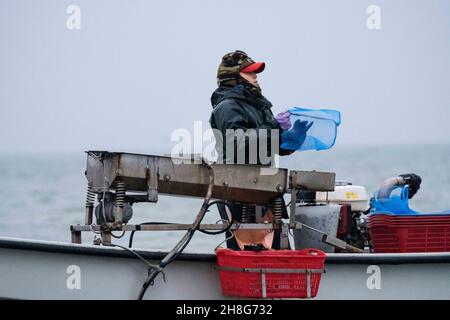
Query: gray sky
x=137 y=70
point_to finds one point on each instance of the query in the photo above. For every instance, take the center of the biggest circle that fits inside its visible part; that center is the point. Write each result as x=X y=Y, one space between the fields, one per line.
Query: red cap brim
x=256 y=67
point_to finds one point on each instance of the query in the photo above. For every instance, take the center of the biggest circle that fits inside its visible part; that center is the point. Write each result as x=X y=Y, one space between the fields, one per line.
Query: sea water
x=42 y=195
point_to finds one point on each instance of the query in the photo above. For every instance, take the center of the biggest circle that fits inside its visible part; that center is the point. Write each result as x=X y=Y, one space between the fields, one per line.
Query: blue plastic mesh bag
x=320 y=136
x=397 y=204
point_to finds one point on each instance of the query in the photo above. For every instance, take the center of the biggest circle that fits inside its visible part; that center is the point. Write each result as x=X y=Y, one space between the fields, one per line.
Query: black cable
x=180 y=250
x=181 y=245
x=219 y=201
x=230 y=224
x=151 y=267
x=117 y=237
x=204 y=231
x=191 y=232
x=130 y=242
x=163 y=264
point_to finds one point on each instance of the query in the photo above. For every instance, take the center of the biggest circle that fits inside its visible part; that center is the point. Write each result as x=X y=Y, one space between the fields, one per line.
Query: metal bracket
x=292 y=222
x=338 y=243
x=76 y=236
x=293 y=185
x=307 y=180
x=335 y=242
x=284 y=241
x=152 y=182
x=106 y=236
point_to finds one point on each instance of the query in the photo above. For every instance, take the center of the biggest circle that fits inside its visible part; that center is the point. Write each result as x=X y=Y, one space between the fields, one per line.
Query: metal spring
x=278 y=206
x=120 y=194
x=248 y=214
x=244 y=215
x=90 y=197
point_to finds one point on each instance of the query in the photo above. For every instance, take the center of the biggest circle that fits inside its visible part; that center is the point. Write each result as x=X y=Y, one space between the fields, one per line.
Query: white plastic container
x=355 y=196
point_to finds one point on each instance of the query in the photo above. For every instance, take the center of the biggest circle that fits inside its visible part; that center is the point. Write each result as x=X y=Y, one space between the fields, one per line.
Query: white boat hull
x=51 y=270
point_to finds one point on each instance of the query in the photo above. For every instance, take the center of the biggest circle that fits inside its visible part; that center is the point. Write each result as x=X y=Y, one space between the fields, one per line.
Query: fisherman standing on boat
x=242 y=114
x=245 y=126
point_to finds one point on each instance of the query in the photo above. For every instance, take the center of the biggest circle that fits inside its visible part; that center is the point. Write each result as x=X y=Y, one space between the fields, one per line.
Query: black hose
x=230 y=224
x=181 y=245
x=130 y=242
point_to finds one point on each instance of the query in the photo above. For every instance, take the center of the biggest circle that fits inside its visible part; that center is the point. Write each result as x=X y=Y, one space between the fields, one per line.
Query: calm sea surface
x=41 y=195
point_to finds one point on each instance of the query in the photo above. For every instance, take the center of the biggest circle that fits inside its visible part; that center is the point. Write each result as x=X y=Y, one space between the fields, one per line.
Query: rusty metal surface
x=312 y=180
x=150 y=173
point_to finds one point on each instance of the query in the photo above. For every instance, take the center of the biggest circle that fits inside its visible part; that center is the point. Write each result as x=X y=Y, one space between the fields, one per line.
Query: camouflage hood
x=242 y=92
x=231 y=65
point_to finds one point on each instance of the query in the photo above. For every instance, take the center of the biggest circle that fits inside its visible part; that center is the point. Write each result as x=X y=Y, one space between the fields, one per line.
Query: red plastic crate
x=403 y=234
x=270 y=273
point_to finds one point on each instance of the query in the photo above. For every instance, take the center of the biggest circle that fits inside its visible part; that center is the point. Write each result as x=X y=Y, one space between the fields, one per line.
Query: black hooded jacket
x=237 y=107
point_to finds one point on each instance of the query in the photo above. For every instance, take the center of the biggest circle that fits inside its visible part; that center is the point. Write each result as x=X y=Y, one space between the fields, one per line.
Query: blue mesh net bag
x=311 y=129
x=397 y=203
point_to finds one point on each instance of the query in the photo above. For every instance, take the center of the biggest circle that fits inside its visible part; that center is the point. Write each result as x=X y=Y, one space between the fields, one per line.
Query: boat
x=32 y=269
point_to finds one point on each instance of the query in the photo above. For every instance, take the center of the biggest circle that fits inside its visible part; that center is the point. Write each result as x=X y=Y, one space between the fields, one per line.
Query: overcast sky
x=137 y=70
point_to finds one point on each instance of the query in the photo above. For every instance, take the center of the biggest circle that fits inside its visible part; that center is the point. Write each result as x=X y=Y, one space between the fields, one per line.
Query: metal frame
x=106 y=229
x=156 y=174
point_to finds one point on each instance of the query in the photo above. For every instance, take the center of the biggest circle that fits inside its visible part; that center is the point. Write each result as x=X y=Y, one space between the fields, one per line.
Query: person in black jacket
x=242 y=115
x=246 y=130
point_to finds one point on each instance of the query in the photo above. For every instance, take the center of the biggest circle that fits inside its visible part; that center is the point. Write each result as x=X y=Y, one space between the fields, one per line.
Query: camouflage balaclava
x=228 y=71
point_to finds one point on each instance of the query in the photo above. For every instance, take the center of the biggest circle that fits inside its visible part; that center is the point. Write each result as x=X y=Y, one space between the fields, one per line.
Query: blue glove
x=284 y=120
x=294 y=138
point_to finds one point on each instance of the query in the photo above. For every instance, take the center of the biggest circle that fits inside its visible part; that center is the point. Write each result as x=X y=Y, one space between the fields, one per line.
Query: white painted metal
x=45 y=273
